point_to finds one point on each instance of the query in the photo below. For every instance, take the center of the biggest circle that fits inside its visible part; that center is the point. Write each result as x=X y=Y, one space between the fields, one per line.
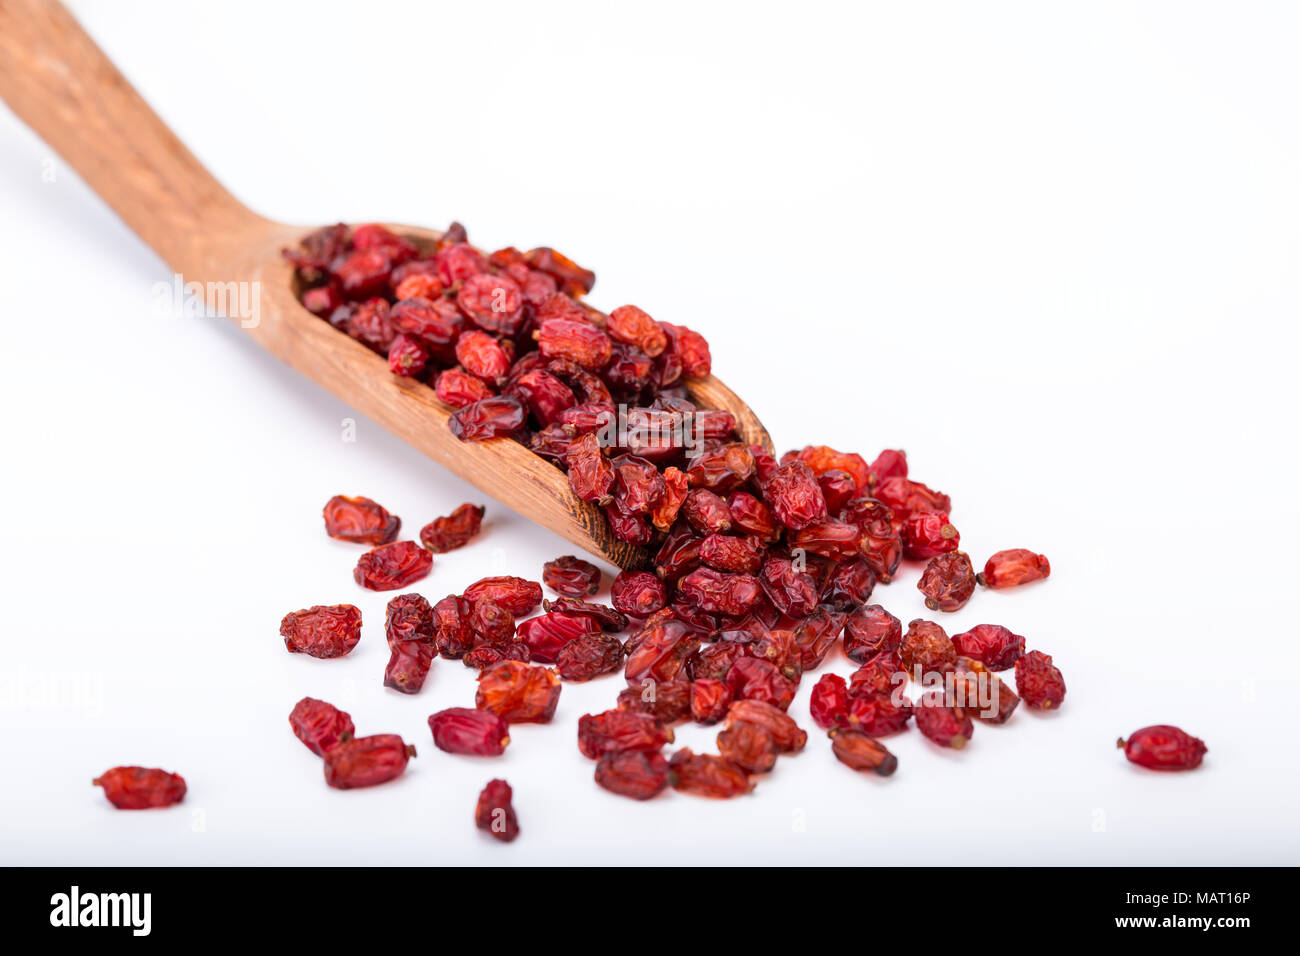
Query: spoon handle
x=58 y=81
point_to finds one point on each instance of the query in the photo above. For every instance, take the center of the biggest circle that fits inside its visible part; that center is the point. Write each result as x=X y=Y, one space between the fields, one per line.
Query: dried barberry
x=1038 y=682
x=571 y=576
x=1163 y=747
x=589 y=655
x=992 y=645
x=638 y=774
x=948 y=581
x=322 y=631
x=548 y=634
x=320 y=725
x=141 y=788
x=517 y=595
x=618 y=730
x=518 y=692
x=495 y=811
x=749 y=746
x=366 y=761
x=1007 y=569
x=467 y=730
x=360 y=520
x=707 y=775
x=870 y=630
x=454 y=531
x=829 y=704
x=926 y=649
x=392 y=566
x=858 y=751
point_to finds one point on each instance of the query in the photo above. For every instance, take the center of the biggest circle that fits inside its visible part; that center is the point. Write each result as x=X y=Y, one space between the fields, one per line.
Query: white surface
x=1051 y=250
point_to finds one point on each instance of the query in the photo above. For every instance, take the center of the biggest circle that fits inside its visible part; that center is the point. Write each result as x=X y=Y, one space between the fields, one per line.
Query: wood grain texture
x=57 y=80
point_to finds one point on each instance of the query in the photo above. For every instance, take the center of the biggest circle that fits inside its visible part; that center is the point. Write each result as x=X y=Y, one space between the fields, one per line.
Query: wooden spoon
x=57 y=80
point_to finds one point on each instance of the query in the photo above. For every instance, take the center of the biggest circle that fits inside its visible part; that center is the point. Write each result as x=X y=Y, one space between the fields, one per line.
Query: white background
x=1049 y=249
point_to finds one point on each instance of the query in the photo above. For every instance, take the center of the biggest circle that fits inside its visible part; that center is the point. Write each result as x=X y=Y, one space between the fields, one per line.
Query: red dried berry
x=928 y=533
x=822 y=458
x=518 y=692
x=710 y=700
x=1038 y=682
x=407 y=357
x=829 y=704
x=366 y=761
x=632 y=326
x=751 y=678
x=1008 y=569
x=787 y=734
x=319 y=725
x=467 y=730
x=992 y=645
x=879 y=715
x=492 y=623
x=638 y=774
x=497 y=417
x=408 y=666
x=548 y=634
x=660 y=651
x=903 y=496
x=589 y=655
x=870 y=630
x=453 y=531
x=360 y=520
x=517 y=595
x=749 y=746
x=618 y=730
x=591 y=476
x=945 y=725
x=451 y=628
x=638 y=593
x=482 y=356
x=668 y=702
x=948 y=581
x=493 y=302
x=860 y=752
x=495 y=811
x=707 y=775
x=459 y=389
x=141 y=788
x=718 y=593
x=608 y=618
x=574 y=341
x=571 y=576
x=323 y=631
x=926 y=649
x=392 y=566
x=1163 y=747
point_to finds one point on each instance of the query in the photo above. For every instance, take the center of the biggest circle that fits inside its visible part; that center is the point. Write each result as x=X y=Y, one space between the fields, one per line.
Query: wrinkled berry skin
x=1007 y=569
x=366 y=761
x=322 y=631
x=517 y=595
x=992 y=645
x=495 y=811
x=794 y=496
x=1038 y=682
x=453 y=531
x=946 y=726
x=359 y=520
x=319 y=725
x=749 y=746
x=926 y=648
x=829 y=703
x=1163 y=747
x=860 y=752
x=753 y=678
x=518 y=692
x=707 y=775
x=589 y=655
x=392 y=566
x=927 y=534
x=638 y=774
x=719 y=593
x=466 y=730
x=618 y=730
x=948 y=581
x=668 y=702
x=710 y=700
x=789 y=737
x=870 y=630
x=878 y=715
x=571 y=577
x=548 y=634
x=141 y=788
